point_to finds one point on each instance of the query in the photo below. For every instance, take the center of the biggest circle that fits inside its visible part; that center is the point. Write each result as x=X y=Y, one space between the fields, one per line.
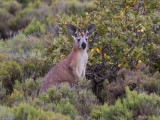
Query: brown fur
x=62 y=72
x=82 y=34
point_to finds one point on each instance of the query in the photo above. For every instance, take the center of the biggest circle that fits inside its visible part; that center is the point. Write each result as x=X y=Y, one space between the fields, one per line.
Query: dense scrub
x=123 y=71
x=37 y=16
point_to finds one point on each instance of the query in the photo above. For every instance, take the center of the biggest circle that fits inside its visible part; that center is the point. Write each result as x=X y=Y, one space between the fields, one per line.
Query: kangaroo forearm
x=83 y=73
x=75 y=73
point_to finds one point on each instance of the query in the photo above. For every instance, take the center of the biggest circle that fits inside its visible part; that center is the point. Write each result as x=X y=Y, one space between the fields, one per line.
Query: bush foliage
x=123 y=70
x=134 y=106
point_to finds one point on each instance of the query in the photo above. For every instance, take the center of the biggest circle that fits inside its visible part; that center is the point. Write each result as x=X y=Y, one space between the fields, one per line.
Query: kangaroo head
x=81 y=37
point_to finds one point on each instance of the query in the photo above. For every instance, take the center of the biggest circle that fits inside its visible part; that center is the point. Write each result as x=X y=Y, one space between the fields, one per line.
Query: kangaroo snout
x=83 y=45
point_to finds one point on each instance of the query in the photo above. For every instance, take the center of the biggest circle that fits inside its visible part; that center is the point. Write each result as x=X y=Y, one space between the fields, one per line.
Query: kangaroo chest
x=82 y=61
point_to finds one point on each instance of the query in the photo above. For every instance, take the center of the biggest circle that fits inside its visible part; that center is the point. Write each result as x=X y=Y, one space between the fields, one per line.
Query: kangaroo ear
x=72 y=30
x=90 y=29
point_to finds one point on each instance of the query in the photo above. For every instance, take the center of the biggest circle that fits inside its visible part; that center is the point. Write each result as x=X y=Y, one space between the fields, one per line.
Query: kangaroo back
x=60 y=73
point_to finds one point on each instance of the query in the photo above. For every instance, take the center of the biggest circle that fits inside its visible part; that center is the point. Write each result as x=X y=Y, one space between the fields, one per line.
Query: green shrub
x=9 y=72
x=22 y=46
x=65 y=108
x=54 y=95
x=44 y=97
x=4 y=22
x=139 y=79
x=74 y=7
x=3 y=96
x=5 y=113
x=97 y=114
x=23 y=18
x=42 y=103
x=11 y=6
x=28 y=87
x=154 y=118
x=35 y=27
x=82 y=98
x=108 y=93
x=22 y=14
x=26 y=112
x=20 y=70
x=22 y=90
x=67 y=100
x=15 y=98
x=64 y=90
x=23 y=2
x=2 y=57
x=56 y=46
x=36 y=4
x=35 y=67
x=131 y=107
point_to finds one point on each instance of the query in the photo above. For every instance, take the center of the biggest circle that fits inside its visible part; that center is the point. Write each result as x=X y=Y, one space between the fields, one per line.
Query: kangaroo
x=73 y=67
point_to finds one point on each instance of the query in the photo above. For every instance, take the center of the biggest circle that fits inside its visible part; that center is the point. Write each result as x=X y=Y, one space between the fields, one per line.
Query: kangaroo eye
x=78 y=39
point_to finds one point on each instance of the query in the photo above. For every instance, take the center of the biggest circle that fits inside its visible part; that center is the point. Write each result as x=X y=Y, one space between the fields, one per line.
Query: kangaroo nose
x=83 y=45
